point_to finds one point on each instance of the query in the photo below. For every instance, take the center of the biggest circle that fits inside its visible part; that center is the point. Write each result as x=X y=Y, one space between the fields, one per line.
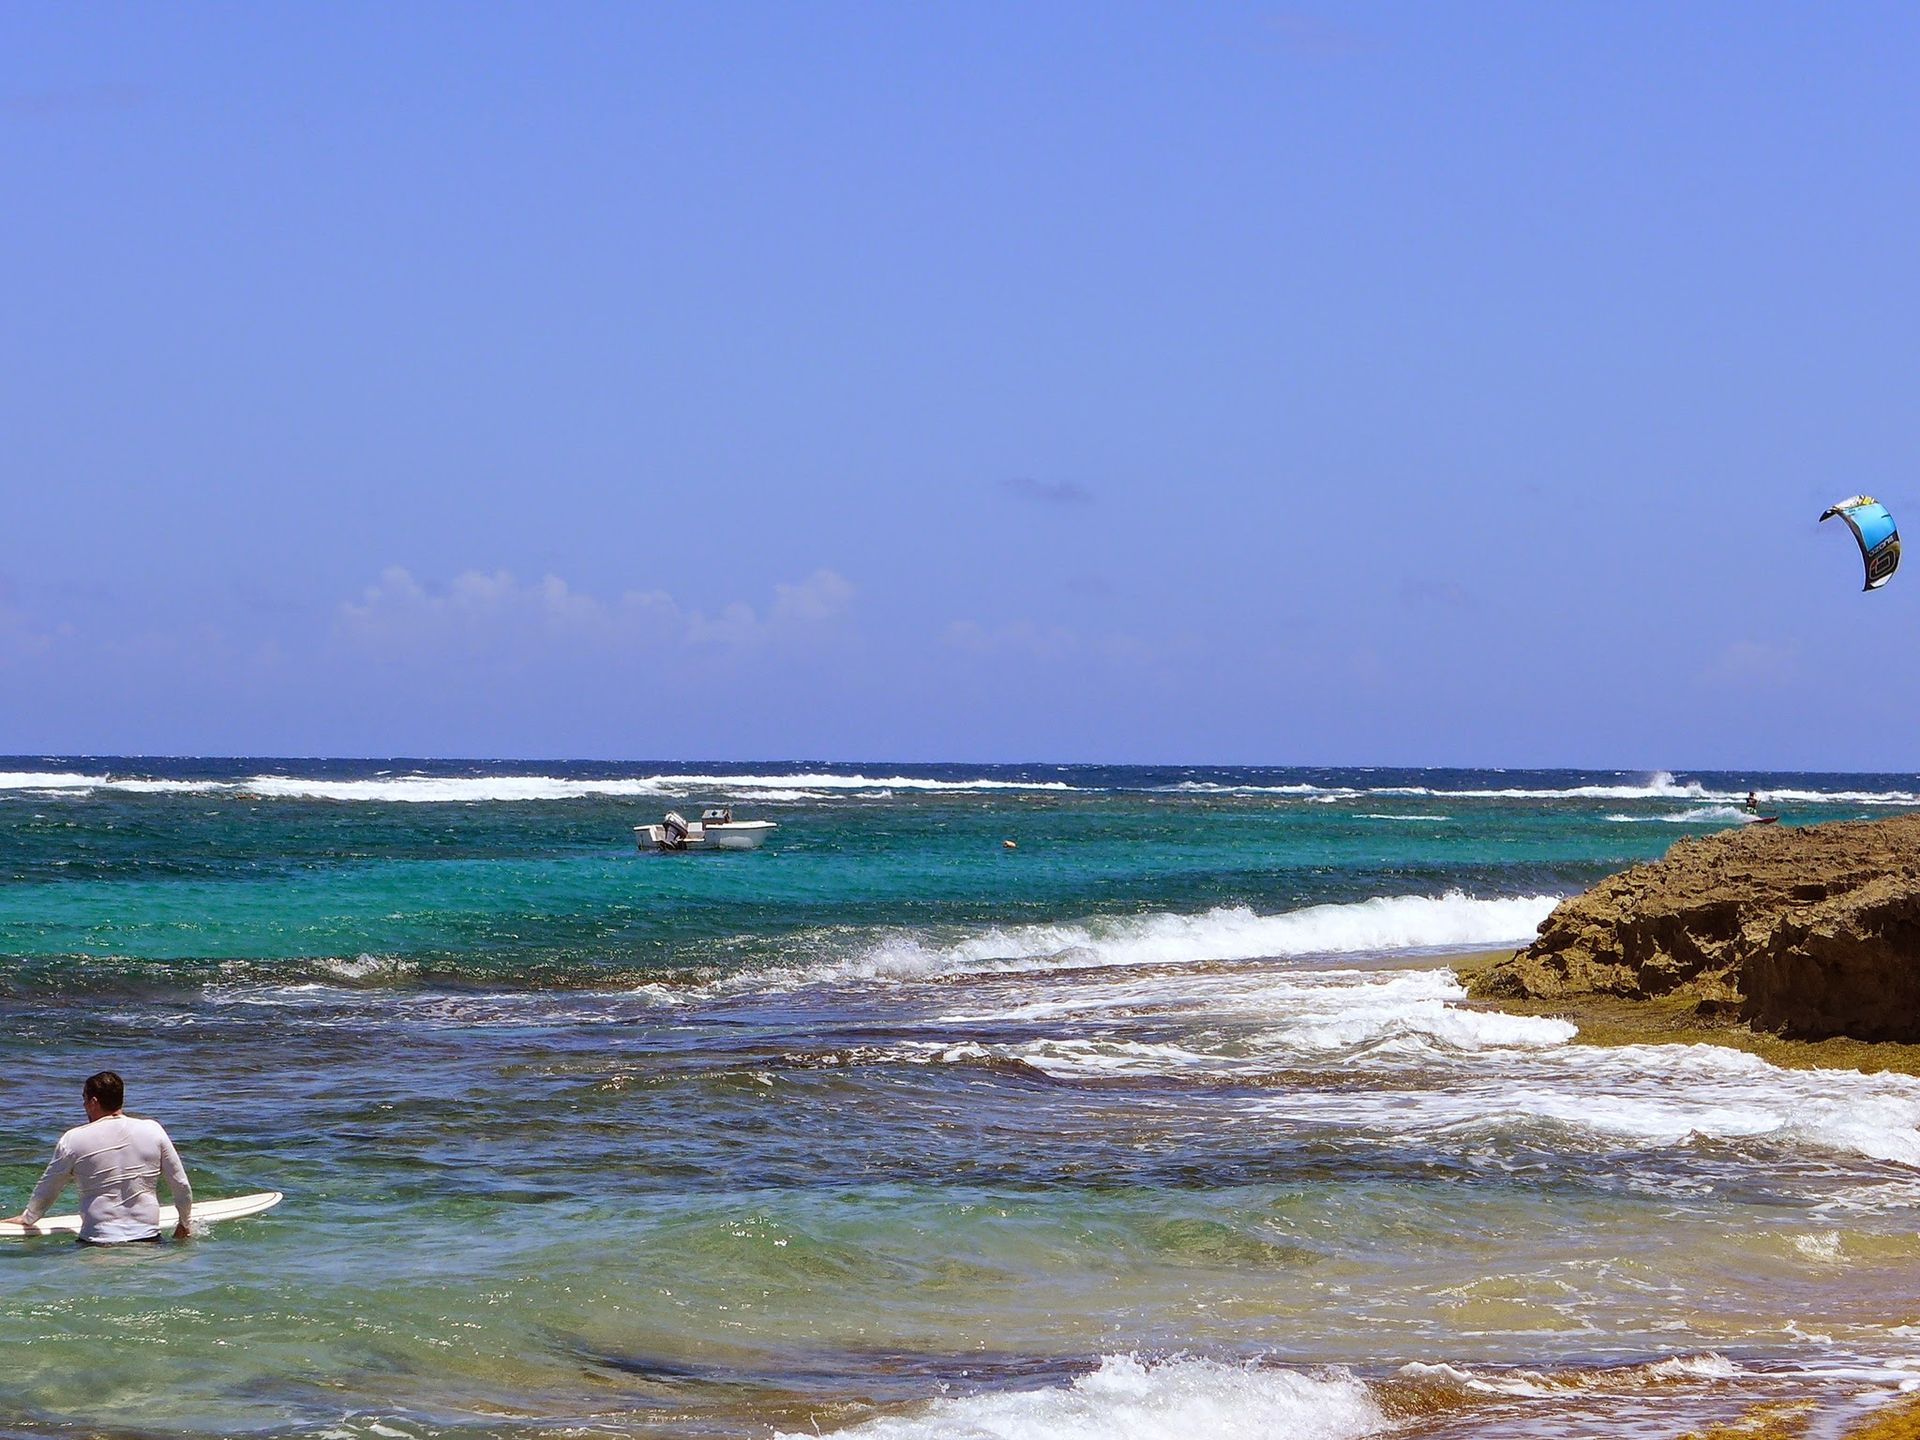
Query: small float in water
x=716 y=829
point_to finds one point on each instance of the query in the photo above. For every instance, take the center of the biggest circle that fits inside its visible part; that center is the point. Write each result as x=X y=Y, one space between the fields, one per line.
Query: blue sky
x=1307 y=384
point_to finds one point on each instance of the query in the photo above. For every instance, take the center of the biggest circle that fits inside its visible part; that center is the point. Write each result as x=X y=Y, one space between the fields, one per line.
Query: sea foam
x=1128 y=1398
x=476 y=789
x=1699 y=815
x=1383 y=925
x=460 y=789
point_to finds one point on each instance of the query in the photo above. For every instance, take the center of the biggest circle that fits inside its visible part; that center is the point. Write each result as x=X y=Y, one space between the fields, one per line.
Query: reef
x=1806 y=932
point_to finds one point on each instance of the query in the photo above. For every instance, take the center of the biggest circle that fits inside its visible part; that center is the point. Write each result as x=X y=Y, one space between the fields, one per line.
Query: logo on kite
x=1873 y=527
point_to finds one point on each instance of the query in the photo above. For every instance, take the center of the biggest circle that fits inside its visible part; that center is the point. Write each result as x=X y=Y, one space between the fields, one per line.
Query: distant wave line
x=824 y=785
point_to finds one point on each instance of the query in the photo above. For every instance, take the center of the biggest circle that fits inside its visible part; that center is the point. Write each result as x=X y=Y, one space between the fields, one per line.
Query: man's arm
x=177 y=1185
x=50 y=1186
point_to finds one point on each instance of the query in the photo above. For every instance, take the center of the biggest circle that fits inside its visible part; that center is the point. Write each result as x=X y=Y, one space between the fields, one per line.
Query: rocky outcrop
x=1807 y=932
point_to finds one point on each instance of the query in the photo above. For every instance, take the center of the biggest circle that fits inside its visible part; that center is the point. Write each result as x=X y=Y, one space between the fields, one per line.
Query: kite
x=1873 y=527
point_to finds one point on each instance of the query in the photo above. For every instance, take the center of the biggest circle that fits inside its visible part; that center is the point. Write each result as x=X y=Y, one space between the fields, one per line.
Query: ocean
x=1167 y=1121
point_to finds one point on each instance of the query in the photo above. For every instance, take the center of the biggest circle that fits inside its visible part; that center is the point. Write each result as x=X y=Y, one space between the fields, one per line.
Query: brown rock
x=1806 y=931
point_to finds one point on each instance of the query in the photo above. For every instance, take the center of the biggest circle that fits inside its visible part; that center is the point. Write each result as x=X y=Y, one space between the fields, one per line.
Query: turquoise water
x=1167 y=1120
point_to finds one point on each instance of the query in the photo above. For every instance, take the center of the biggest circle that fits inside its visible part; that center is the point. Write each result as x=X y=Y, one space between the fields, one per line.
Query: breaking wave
x=468 y=790
x=67 y=781
x=473 y=789
x=1384 y=925
x=1128 y=1398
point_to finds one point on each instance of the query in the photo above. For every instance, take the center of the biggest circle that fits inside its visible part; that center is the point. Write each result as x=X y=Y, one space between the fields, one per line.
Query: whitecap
x=475 y=789
x=1128 y=1398
x=1381 y=926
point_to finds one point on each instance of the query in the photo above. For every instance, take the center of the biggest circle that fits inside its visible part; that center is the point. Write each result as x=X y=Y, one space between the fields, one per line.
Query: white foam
x=1451 y=1075
x=1439 y=1023
x=66 y=782
x=167 y=787
x=1843 y=797
x=50 y=780
x=1240 y=1023
x=476 y=789
x=460 y=789
x=1669 y=1094
x=1659 y=786
x=1658 y=1096
x=1708 y=815
x=1208 y=787
x=1403 y=1060
x=1535 y=1384
x=1710 y=1366
x=1822 y=1249
x=1701 y=815
x=441 y=789
x=367 y=967
x=1382 y=926
x=1131 y=1399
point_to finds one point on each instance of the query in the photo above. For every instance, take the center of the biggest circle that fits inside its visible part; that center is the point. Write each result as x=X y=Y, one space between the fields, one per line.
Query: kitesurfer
x=1753 y=802
x=118 y=1160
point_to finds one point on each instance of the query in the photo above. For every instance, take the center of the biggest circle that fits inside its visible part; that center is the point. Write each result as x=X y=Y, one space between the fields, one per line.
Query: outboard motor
x=675 y=830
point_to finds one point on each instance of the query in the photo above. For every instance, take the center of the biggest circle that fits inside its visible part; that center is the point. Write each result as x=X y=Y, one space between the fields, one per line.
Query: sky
x=1300 y=384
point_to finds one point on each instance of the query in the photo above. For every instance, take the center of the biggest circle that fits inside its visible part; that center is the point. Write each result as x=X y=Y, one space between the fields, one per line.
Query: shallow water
x=1166 y=1122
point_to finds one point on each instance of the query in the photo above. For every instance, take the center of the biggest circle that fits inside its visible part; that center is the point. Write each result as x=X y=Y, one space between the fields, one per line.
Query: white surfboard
x=205 y=1212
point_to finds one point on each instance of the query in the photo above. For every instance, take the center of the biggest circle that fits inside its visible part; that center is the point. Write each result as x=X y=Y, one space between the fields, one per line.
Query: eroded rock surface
x=1807 y=931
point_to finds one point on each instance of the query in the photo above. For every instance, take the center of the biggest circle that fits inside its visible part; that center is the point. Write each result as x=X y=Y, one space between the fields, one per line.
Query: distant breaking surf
x=471 y=789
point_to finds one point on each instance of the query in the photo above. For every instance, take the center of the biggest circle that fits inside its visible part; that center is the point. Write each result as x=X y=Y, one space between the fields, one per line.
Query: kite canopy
x=1873 y=527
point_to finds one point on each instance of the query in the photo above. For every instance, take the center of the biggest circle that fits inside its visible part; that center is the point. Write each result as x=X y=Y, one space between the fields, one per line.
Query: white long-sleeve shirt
x=118 y=1160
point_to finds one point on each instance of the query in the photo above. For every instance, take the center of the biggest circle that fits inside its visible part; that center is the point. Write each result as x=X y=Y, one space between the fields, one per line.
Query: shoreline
x=1612 y=1020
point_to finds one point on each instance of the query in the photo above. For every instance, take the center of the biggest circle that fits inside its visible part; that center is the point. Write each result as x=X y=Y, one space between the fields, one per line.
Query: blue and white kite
x=1873 y=527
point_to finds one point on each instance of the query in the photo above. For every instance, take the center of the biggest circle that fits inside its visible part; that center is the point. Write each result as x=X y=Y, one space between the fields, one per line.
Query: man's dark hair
x=106 y=1088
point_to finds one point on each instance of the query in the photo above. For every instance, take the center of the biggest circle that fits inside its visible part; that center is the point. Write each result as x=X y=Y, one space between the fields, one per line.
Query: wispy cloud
x=1047 y=492
x=480 y=612
x=822 y=596
x=1020 y=637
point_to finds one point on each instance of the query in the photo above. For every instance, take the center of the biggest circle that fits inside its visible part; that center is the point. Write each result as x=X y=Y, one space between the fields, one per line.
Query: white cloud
x=822 y=596
x=480 y=612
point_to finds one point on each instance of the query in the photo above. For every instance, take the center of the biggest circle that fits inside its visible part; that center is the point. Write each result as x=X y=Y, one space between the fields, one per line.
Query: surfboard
x=204 y=1212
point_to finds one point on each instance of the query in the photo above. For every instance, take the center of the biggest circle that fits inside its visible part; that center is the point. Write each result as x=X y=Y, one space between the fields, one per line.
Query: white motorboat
x=716 y=829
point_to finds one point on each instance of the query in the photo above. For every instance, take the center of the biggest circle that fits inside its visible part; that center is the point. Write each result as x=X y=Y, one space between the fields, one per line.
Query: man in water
x=118 y=1160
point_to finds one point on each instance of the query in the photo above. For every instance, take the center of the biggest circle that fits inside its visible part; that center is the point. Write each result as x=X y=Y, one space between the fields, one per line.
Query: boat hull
x=738 y=834
x=734 y=835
